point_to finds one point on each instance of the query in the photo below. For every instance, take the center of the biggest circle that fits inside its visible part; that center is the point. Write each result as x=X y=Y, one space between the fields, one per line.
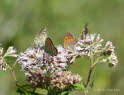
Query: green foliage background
x=20 y=20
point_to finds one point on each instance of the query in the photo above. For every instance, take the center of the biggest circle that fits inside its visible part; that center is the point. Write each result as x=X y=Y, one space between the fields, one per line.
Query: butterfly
x=69 y=41
x=40 y=38
x=50 y=48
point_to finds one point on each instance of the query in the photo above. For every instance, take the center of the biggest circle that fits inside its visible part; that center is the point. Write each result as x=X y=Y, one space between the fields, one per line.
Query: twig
x=88 y=79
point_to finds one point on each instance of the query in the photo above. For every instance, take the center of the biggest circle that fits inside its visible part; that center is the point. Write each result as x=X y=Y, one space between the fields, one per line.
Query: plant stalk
x=13 y=73
x=88 y=80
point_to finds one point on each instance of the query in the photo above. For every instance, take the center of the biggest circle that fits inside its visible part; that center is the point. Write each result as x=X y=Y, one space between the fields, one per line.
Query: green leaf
x=33 y=93
x=92 y=84
x=80 y=86
x=41 y=91
x=65 y=92
x=10 y=61
x=52 y=92
x=21 y=90
x=24 y=90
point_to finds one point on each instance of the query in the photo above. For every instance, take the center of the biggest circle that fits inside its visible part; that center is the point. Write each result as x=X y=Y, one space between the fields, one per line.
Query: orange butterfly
x=69 y=41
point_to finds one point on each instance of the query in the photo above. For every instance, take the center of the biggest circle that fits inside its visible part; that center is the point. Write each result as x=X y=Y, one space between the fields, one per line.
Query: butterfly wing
x=50 y=48
x=40 y=37
x=69 y=41
x=68 y=38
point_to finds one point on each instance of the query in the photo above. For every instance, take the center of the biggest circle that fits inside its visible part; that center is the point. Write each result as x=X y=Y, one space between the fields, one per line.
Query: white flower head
x=3 y=64
x=91 y=42
x=63 y=79
x=11 y=52
x=109 y=47
x=113 y=59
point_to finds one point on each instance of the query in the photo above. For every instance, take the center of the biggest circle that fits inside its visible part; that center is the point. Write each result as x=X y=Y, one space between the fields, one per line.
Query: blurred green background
x=21 y=20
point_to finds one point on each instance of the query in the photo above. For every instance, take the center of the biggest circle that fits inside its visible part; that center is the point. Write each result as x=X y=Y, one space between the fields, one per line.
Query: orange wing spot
x=68 y=38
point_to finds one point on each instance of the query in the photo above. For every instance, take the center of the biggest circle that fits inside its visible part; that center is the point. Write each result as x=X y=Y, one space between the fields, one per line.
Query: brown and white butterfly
x=40 y=38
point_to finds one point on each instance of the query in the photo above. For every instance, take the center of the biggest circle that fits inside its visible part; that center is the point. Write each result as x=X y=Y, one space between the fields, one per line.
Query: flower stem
x=90 y=72
x=88 y=79
x=13 y=73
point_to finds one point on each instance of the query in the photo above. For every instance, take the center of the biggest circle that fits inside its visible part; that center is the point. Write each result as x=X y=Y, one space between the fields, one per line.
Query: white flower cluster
x=64 y=79
x=91 y=43
x=92 y=46
x=109 y=52
x=11 y=52
x=38 y=65
x=3 y=64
